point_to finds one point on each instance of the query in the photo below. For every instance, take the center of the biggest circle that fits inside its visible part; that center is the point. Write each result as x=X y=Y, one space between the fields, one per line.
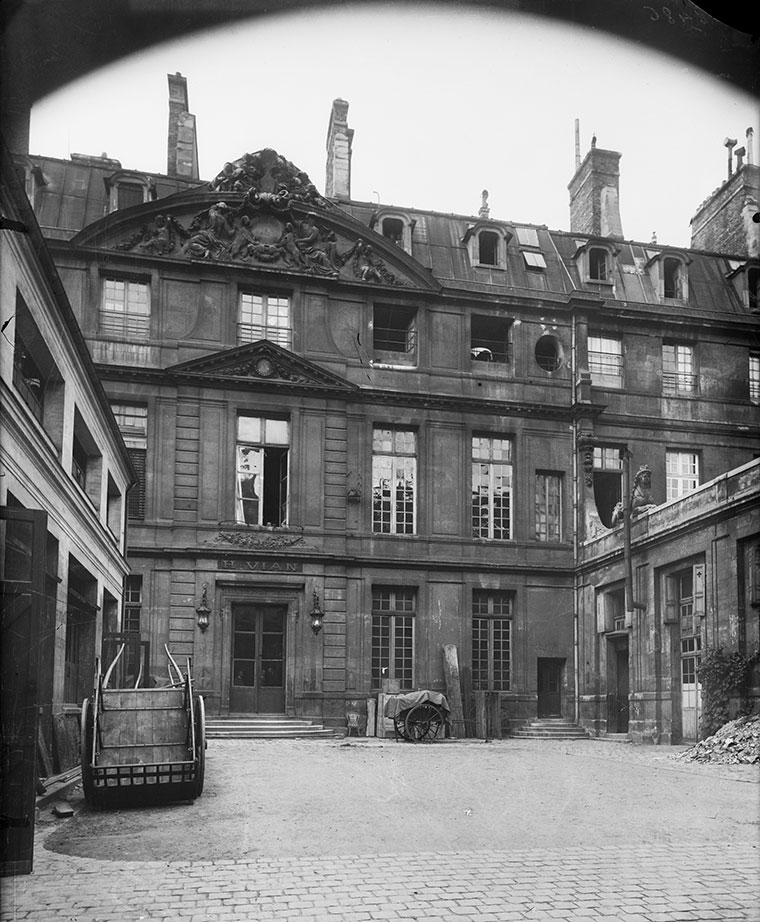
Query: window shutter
x=699 y=590
x=671 y=613
x=136 y=496
x=601 y=613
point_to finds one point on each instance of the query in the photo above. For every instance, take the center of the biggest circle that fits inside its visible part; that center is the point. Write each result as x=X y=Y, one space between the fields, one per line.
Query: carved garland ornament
x=275 y=542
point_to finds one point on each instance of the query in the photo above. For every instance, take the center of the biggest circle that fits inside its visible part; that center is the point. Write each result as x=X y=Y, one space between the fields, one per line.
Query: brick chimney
x=724 y=222
x=182 y=147
x=594 y=194
x=339 y=140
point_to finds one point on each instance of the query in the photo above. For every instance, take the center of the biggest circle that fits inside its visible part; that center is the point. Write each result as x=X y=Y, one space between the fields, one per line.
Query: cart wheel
x=86 y=740
x=422 y=722
x=398 y=726
x=200 y=745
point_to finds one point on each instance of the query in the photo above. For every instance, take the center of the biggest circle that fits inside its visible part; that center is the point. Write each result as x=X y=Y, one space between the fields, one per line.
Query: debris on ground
x=737 y=742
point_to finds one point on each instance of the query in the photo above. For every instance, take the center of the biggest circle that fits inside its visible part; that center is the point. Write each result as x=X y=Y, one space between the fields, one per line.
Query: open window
x=488 y=248
x=86 y=460
x=262 y=471
x=490 y=339
x=394 y=334
x=669 y=274
x=608 y=480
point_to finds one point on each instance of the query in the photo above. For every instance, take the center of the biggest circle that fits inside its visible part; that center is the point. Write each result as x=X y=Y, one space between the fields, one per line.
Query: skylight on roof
x=534 y=260
x=527 y=236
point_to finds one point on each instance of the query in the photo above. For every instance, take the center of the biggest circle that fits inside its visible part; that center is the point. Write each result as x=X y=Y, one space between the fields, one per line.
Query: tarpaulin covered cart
x=143 y=744
x=419 y=716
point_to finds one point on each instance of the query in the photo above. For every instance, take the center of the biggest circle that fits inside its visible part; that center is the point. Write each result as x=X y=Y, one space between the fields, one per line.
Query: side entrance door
x=258 y=659
x=550 y=687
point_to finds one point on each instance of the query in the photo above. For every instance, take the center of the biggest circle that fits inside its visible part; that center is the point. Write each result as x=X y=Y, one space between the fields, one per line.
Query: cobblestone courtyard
x=352 y=831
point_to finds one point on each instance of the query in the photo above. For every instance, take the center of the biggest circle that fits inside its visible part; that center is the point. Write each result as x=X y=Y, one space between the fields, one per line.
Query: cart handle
x=110 y=668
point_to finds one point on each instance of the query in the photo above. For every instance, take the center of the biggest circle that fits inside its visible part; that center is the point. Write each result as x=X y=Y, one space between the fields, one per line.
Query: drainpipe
x=576 y=516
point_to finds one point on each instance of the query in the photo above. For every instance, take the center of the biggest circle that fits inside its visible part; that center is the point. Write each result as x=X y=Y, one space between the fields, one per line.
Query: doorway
x=550 y=687
x=618 y=707
x=258 y=659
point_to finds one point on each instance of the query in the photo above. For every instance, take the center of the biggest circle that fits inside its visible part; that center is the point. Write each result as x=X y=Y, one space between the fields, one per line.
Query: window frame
x=500 y=351
x=398 y=513
x=408 y=333
x=610 y=380
x=489 y=620
x=496 y=467
x=673 y=477
x=401 y=633
x=754 y=377
x=677 y=382
x=133 y=324
x=136 y=441
x=278 y=333
x=282 y=459
x=558 y=530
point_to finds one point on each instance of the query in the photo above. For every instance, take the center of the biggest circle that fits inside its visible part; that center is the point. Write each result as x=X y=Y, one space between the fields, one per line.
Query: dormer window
x=127 y=189
x=598 y=264
x=488 y=248
x=672 y=277
x=669 y=275
x=395 y=227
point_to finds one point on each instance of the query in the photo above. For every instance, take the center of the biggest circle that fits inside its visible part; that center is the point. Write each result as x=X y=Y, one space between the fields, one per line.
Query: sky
x=444 y=103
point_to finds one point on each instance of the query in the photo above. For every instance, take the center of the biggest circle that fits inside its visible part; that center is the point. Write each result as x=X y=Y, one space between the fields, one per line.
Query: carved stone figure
x=213 y=239
x=641 y=495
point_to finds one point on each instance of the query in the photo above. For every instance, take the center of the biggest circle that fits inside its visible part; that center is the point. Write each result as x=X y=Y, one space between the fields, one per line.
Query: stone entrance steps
x=265 y=726
x=551 y=728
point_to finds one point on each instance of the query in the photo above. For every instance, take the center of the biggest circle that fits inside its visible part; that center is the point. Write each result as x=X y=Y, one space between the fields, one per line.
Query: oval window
x=549 y=353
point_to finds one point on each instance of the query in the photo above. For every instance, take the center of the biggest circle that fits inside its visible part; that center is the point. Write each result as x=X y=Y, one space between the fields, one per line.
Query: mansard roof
x=263 y=364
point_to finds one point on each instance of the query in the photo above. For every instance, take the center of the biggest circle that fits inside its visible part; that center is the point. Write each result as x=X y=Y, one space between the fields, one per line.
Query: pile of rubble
x=737 y=742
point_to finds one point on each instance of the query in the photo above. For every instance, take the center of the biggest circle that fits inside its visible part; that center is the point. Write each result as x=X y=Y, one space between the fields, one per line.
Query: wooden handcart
x=418 y=717
x=143 y=745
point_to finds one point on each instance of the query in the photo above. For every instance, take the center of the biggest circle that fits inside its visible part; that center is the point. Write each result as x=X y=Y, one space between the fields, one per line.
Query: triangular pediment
x=264 y=363
x=263 y=213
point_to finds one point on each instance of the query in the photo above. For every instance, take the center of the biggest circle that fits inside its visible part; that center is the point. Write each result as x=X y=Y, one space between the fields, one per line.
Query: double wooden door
x=258 y=659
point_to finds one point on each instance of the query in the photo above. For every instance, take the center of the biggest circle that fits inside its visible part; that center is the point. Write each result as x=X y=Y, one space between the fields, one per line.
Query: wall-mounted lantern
x=203 y=611
x=317 y=615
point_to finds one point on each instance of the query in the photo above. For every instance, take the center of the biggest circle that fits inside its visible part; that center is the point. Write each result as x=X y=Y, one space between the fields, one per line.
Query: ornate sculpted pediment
x=263 y=362
x=263 y=229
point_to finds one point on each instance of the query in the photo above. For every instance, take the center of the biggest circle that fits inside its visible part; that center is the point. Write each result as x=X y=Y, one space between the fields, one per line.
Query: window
x=678 y=375
x=598 y=264
x=548 y=353
x=393 y=229
x=534 y=260
x=129 y=194
x=488 y=248
x=262 y=471
x=35 y=375
x=393 y=612
x=394 y=481
x=132 y=420
x=394 y=330
x=79 y=463
x=489 y=339
x=685 y=597
x=491 y=640
x=132 y=604
x=673 y=273
x=527 y=236
x=126 y=308
x=264 y=317
x=605 y=361
x=608 y=480
x=28 y=380
x=682 y=473
x=548 y=506
x=754 y=378
x=753 y=289
x=610 y=609
x=491 y=487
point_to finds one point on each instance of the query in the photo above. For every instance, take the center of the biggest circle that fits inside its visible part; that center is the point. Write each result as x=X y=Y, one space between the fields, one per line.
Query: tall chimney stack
x=750 y=153
x=339 y=140
x=594 y=194
x=577 y=144
x=182 y=144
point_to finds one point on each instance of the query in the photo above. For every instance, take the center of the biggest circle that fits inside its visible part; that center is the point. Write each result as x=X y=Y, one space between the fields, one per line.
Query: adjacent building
x=408 y=427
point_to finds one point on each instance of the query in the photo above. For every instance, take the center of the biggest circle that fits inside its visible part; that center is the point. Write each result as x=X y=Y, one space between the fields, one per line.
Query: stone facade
x=408 y=422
